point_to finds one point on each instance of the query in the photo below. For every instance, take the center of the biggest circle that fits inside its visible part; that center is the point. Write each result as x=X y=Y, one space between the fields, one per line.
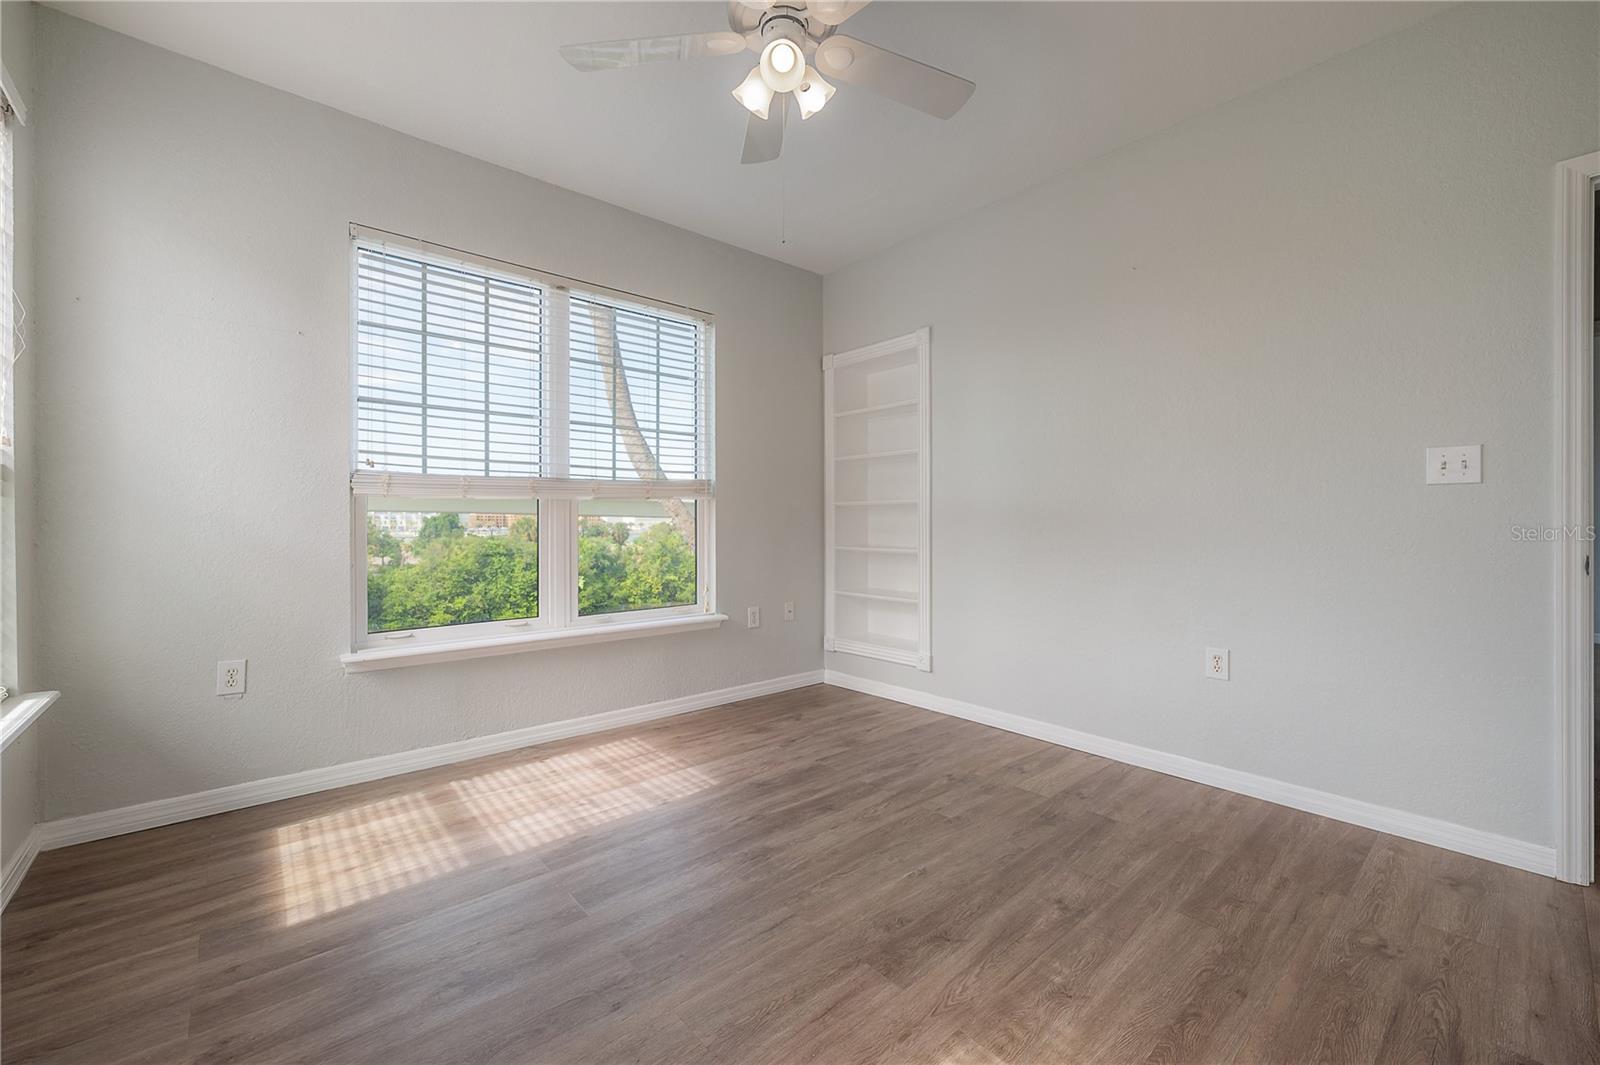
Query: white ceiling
x=1058 y=83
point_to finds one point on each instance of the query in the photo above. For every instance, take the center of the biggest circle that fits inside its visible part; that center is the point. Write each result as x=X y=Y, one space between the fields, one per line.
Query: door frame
x=1575 y=181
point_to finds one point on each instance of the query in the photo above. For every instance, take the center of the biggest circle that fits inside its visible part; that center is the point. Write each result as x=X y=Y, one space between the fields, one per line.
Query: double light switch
x=1462 y=464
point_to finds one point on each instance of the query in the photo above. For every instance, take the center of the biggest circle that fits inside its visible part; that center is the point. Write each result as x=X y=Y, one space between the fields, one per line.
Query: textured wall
x=193 y=264
x=1181 y=398
x=19 y=793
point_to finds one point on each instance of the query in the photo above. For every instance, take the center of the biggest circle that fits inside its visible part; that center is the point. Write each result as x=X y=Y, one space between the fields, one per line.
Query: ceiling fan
x=798 y=42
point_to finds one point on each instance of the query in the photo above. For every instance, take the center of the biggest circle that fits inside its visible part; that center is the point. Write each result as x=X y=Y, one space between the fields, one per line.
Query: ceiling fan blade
x=609 y=55
x=833 y=12
x=904 y=80
x=763 y=138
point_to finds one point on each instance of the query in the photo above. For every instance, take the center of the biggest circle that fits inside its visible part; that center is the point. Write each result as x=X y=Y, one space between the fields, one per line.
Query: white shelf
x=868 y=456
x=875 y=502
x=875 y=438
x=878 y=639
x=906 y=405
x=881 y=595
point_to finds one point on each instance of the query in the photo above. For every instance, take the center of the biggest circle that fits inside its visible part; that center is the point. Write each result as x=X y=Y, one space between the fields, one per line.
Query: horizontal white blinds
x=449 y=368
x=480 y=384
x=637 y=391
x=442 y=486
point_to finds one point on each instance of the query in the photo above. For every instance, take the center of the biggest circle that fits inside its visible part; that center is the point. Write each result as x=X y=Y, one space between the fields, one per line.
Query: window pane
x=636 y=387
x=636 y=555
x=427 y=568
x=448 y=368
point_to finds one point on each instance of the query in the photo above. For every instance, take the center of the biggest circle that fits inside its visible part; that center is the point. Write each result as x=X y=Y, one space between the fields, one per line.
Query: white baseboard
x=17 y=867
x=65 y=832
x=70 y=830
x=1479 y=844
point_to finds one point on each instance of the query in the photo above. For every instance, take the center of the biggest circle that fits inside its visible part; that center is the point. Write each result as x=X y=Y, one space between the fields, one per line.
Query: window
x=10 y=349
x=532 y=456
x=636 y=556
x=436 y=566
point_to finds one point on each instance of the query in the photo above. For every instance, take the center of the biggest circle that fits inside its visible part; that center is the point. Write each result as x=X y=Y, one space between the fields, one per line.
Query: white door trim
x=1575 y=183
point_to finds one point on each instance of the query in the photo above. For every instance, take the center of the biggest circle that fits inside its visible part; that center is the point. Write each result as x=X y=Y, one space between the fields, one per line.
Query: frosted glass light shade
x=754 y=93
x=782 y=65
x=813 y=94
x=783 y=58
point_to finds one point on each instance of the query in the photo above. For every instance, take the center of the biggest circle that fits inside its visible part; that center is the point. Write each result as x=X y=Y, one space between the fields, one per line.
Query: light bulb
x=813 y=94
x=782 y=66
x=754 y=93
x=783 y=57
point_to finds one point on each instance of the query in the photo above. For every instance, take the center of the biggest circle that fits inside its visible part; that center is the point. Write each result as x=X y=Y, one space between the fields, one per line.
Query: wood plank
x=1447 y=1001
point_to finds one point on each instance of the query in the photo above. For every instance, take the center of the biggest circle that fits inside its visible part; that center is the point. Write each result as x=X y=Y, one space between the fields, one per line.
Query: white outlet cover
x=752 y=617
x=1461 y=464
x=788 y=611
x=231 y=676
x=1217 y=663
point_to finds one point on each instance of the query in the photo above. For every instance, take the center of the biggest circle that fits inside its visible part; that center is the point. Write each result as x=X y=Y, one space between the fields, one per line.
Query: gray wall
x=19 y=790
x=1181 y=398
x=193 y=264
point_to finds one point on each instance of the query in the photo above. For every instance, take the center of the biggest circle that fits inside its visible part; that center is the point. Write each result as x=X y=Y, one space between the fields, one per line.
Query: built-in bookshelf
x=875 y=413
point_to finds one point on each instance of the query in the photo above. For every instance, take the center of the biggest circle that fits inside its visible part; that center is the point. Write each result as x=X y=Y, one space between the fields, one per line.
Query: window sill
x=372 y=658
x=21 y=711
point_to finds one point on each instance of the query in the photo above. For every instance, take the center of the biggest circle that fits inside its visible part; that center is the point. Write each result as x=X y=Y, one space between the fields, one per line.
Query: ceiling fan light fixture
x=783 y=66
x=754 y=93
x=813 y=94
x=797 y=41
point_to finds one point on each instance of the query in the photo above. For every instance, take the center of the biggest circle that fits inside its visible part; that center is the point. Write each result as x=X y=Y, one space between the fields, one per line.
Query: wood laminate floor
x=817 y=876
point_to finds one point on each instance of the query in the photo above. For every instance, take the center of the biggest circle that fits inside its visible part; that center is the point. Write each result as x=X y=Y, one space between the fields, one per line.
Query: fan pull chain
x=783 y=178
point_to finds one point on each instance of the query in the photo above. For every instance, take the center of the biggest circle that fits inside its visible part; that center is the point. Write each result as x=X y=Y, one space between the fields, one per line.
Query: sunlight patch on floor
x=525 y=806
x=340 y=859
x=327 y=863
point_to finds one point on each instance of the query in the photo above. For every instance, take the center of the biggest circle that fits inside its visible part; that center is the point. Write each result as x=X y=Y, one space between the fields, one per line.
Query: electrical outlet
x=231 y=677
x=788 y=611
x=752 y=617
x=1217 y=663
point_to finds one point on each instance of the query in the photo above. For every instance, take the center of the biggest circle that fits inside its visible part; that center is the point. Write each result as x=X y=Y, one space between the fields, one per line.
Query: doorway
x=1577 y=275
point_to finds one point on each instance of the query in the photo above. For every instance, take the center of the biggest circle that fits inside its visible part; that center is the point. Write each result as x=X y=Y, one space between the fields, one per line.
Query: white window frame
x=704 y=507
x=559 y=623
x=362 y=640
x=11 y=115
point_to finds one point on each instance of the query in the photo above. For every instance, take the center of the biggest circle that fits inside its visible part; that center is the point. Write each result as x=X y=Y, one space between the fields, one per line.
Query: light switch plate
x=1462 y=464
